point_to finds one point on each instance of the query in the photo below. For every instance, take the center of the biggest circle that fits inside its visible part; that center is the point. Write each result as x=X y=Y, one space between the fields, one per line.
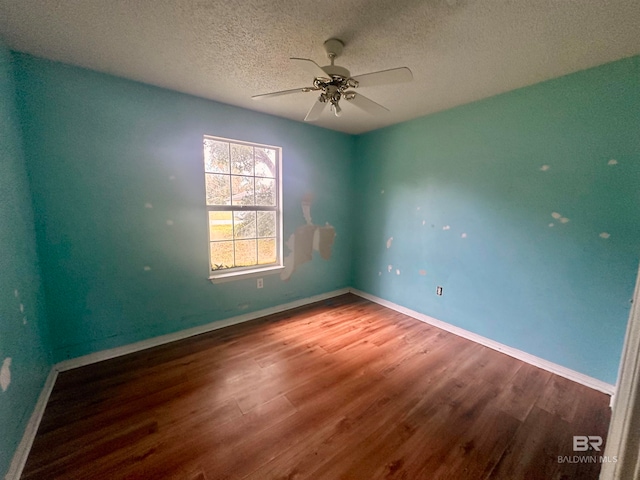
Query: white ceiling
x=459 y=50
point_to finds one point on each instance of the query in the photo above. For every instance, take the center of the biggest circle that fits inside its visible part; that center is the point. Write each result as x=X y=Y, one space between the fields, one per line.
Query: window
x=243 y=197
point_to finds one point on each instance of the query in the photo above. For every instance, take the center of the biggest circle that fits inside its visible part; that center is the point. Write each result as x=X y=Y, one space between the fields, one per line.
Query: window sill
x=244 y=274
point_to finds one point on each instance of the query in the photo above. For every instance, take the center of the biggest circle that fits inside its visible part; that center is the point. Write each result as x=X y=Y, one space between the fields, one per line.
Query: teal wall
x=23 y=327
x=562 y=292
x=100 y=148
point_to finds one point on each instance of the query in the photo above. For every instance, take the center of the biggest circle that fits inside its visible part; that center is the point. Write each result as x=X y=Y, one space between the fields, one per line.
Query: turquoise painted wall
x=23 y=327
x=560 y=292
x=100 y=148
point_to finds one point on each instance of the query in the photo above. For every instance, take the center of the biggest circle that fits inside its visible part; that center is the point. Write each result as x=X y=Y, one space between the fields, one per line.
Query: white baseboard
x=512 y=352
x=190 y=332
x=22 y=452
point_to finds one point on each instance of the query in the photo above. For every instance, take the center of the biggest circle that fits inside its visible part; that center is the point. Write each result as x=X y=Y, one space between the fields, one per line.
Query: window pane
x=245 y=253
x=216 y=156
x=244 y=224
x=265 y=162
x=266 y=224
x=241 y=159
x=221 y=255
x=242 y=189
x=266 y=250
x=266 y=192
x=220 y=226
x=218 y=192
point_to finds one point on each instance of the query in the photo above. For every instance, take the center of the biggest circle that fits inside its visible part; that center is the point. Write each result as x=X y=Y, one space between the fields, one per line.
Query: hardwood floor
x=344 y=389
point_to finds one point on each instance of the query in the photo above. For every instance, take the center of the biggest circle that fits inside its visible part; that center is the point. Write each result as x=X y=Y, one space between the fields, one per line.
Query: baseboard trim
x=190 y=332
x=512 y=352
x=22 y=452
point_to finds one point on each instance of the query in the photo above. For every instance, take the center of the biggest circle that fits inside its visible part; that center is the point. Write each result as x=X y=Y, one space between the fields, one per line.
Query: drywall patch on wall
x=5 y=374
x=307 y=239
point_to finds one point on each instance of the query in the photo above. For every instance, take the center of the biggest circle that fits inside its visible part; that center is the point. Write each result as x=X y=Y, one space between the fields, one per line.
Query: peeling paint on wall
x=5 y=374
x=307 y=239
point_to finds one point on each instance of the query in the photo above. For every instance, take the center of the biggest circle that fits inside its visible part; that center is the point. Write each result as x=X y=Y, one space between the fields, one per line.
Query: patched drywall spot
x=5 y=374
x=307 y=239
x=544 y=168
x=446 y=227
x=604 y=235
x=422 y=272
x=612 y=162
x=148 y=205
x=564 y=220
x=551 y=224
x=389 y=242
x=556 y=215
x=389 y=268
x=397 y=271
x=169 y=222
x=464 y=235
x=21 y=308
x=147 y=268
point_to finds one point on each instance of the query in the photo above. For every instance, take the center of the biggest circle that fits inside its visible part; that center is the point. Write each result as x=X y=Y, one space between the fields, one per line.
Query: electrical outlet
x=260 y=284
x=439 y=290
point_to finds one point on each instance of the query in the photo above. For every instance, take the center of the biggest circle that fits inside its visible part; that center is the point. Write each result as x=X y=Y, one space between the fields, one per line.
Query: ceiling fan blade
x=311 y=67
x=280 y=93
x=315 y=111
x=365 y=103
x=384 y=77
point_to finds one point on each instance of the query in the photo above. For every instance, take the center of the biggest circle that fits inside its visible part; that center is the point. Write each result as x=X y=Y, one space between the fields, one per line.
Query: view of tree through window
x=242 y=203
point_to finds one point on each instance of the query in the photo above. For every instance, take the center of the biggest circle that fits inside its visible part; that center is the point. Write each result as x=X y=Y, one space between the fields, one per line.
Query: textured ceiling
x=459 y=50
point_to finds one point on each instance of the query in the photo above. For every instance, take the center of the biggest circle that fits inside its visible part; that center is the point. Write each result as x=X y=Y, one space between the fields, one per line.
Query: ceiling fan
x=336 y=83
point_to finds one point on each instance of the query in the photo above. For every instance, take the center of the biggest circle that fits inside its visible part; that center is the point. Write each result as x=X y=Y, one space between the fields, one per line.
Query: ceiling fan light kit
x=336 y=83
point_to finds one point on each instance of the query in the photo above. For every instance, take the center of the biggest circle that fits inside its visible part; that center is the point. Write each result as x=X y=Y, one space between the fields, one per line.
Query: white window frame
x=238 y=273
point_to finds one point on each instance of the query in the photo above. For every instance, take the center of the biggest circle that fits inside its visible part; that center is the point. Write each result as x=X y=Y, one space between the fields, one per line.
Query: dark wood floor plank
x=341 y=389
